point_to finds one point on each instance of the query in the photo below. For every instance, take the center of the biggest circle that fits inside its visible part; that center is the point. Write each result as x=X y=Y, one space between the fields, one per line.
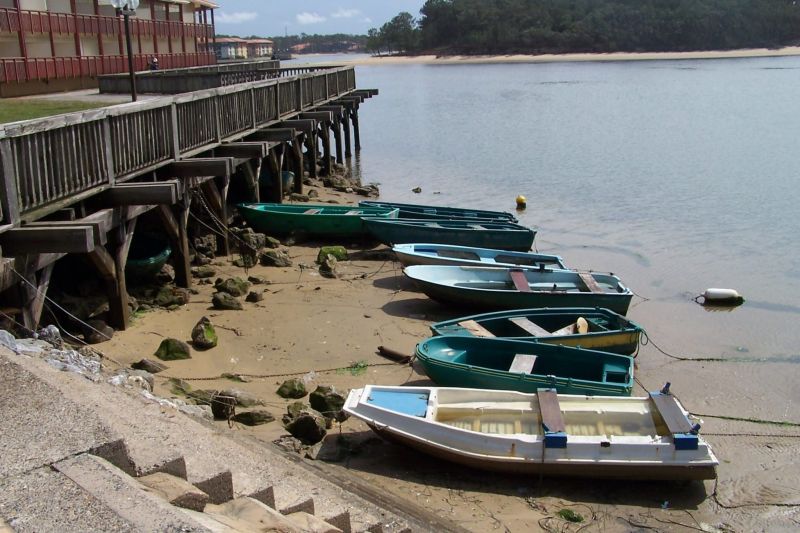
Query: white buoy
x=721 y=297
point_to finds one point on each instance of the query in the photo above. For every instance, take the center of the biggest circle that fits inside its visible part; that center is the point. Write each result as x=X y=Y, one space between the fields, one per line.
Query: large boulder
x=148 y=365
x=292 y=388
x=328 y=401
x=243 y=399
x=275 y=258
x=223 y=300
x=254 y=297
x=233 y=286
x=253 y=418
x=173 y=349
x=223 y=407
x=204 y=336
x=339 y=252
x=308 y=426
x=169 y=296
x=205 y=271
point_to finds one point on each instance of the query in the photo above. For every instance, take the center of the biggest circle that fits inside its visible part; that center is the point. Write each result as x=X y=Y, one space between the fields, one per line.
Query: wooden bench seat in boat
x=677 y=423
x=552 y=420
x=522 y=363
x=520 y=281
x=531 y=327
x=476 y=329
x=590 y=282
x=311 y=211
x=353 y=212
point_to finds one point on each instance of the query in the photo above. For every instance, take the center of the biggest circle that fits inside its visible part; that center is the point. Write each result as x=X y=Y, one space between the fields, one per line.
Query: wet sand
x=307 y=324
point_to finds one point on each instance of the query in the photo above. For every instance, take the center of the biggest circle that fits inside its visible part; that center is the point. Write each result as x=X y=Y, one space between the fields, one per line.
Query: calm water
x=676 y=175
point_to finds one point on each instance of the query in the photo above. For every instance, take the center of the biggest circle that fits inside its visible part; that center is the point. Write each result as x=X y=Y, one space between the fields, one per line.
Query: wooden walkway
x=76 y=183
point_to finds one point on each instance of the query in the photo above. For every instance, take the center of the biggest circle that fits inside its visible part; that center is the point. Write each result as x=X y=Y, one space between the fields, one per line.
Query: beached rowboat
x=592 y=328
x=500 y=235
x=508 y=364
x=546 y=433
x=418 y=211
x=446 y=254
x=514 y=288
x=311 y=219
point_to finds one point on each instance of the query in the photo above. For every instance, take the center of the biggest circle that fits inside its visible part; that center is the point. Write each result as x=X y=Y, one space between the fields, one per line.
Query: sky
x=274 y=17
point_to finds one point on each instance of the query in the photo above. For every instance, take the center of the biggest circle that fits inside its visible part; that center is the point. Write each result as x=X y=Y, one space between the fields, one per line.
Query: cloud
x=367 y=20
x=345 y=13
x=237 y=17
x=309 y=18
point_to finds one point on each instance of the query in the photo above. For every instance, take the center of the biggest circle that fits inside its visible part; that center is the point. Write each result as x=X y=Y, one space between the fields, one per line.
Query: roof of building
x=230 y=40
x=258 y=41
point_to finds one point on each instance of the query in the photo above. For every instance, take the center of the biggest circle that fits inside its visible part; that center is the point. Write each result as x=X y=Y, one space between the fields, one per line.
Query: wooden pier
x=77 y=183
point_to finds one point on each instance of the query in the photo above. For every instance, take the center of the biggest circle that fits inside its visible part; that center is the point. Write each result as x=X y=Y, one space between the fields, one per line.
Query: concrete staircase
x=73 y=454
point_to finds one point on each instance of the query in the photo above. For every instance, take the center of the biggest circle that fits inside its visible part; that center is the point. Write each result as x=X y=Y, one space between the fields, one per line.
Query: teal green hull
x=315 y=220
x=453 y=361
x=478 y=234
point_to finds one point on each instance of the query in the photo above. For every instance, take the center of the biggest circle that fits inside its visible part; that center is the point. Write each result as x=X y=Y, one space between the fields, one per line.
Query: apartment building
x=228 y=48
x=58 y=45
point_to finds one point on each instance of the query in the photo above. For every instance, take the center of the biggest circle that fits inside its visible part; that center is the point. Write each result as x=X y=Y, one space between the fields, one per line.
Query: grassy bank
x=26 y=109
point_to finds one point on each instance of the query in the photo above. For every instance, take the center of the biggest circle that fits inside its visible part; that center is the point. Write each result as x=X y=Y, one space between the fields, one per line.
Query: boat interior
x=507 y=413
x=534 y=326
x=547 y=361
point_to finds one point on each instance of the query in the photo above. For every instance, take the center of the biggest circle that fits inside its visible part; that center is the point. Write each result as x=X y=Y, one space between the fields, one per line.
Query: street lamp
x=127 y=8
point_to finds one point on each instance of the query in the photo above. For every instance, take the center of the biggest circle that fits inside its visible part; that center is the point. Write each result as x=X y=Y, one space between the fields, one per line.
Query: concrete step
x=259 y=516
x=124 y=496
x=175 y=491
x=312 y=524
x=159 y=438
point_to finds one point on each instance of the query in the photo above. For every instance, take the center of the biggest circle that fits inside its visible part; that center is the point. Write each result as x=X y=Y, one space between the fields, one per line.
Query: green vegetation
x=26 y=109
x=569 y=515
x=355 y=368
x=561 y=26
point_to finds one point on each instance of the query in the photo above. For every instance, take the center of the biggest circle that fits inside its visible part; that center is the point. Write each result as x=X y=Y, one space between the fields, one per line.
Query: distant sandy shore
x=553 y=58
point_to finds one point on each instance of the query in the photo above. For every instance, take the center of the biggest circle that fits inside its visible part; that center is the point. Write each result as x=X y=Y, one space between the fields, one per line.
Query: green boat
x=147 y=256
x=311 y=219
x=419 y=211
x=499 y=235
x=592 y=328
x=507 y=364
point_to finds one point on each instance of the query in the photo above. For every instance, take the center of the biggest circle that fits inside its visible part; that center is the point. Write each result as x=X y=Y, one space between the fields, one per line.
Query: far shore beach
x=555 y=58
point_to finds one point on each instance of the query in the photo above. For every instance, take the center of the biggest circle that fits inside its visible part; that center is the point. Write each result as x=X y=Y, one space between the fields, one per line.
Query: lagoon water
x=676 y=175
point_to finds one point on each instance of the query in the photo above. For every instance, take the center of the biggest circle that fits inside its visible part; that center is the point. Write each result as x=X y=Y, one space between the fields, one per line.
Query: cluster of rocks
x=309 y=423
x=340 y=183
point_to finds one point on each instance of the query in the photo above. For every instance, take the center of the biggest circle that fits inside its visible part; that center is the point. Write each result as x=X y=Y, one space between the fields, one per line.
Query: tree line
x=561 y=26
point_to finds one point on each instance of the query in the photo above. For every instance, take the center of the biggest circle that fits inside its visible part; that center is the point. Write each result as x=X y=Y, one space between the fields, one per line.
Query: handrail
x=51 y=162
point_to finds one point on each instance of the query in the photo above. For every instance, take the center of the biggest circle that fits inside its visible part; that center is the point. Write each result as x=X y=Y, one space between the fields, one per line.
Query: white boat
x=447 y=254
x=553 y=434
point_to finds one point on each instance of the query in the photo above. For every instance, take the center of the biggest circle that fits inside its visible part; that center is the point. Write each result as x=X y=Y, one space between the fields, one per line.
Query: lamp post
x=127 y=8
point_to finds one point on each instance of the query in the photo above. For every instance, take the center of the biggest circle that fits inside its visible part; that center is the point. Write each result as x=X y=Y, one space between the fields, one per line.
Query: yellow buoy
x=522 y=202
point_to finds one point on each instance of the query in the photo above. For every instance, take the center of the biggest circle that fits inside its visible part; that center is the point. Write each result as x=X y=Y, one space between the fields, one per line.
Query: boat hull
x=491 y=289
x=419 y=211
x=310 y=219
x=498 y=235
x=454 y=361
x=608 y=331
x=595 y=436
x=411 y=254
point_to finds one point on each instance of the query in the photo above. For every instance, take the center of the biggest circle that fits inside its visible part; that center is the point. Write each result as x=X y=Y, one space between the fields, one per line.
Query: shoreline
x=431 y=59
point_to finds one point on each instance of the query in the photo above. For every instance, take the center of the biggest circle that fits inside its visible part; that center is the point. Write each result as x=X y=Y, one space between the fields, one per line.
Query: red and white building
x=57 y=45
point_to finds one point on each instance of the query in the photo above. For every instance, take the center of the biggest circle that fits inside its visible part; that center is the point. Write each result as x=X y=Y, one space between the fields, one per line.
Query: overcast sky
x=273 y=17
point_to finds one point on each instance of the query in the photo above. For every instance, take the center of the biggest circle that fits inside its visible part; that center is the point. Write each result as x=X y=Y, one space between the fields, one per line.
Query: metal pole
x=127 y=17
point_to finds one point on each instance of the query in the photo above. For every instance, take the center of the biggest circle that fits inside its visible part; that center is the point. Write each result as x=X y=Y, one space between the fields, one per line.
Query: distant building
x=237 y=48
x=230 y=48
x=259 y=48
x=57 y=45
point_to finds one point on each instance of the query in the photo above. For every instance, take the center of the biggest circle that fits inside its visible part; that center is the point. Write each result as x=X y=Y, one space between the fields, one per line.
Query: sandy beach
x=555 y=58
x=314 y=328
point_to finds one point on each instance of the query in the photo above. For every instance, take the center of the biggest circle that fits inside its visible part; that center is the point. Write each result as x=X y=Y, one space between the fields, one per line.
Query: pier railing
x=52 y=162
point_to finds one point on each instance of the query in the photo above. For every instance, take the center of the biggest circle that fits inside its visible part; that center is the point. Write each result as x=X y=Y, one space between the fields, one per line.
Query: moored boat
x=447 y=254
x=509 y=364
x=515 y=288
x=546 y=433
x=311 y=219
x=419 y=211
x=500 y=235
x=592 y=328
x=147 y=256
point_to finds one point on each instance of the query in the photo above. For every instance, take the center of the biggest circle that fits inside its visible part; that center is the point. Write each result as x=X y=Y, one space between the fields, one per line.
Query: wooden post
x=356 y=134
x=251 y=178
x=33 y=290
x=275 y=164
x=217 y=200
x=346 y=127
x=175 y=227
x=326 y=149
x=112 y=269
x=337 y=137
x=297 y=156
x=311 y=152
